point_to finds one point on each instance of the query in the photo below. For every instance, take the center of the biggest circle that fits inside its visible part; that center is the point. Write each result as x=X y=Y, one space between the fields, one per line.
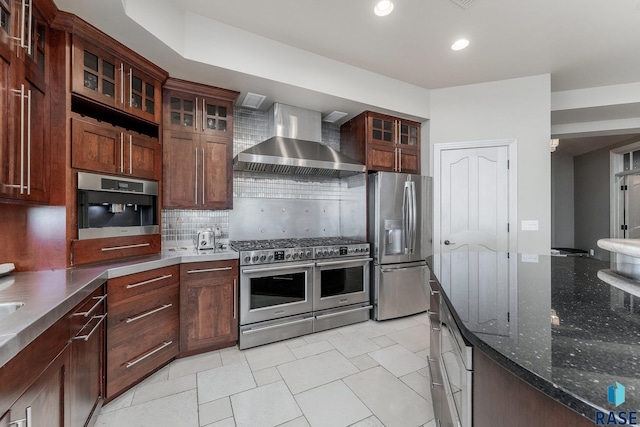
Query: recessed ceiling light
x=383 y=8
x=460 y=44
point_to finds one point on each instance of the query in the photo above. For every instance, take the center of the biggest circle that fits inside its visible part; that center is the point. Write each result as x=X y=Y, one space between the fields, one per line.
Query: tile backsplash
x=251 y=127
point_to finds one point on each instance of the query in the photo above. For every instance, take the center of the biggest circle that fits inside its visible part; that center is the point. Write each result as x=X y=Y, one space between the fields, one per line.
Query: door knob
x=446 y=242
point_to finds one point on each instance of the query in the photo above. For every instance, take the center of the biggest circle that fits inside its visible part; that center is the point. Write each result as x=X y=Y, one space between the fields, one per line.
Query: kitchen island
x=569 y=336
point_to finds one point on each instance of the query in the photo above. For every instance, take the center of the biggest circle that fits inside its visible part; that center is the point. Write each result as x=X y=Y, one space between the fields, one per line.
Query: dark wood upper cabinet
x=382 y=142
x=106 y=78
x=198 y=146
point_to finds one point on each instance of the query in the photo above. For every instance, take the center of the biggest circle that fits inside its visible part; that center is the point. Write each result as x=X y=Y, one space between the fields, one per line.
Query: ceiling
x=581 y=44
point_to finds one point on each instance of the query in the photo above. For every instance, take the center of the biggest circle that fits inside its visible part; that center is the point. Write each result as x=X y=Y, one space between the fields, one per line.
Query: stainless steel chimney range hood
x=295 y=149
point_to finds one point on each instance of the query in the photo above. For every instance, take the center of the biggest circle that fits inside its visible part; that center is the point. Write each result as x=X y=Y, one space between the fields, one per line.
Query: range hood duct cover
x=294 y=147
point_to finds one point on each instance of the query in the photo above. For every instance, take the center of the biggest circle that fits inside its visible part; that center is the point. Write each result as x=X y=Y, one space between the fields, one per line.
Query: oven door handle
x=279 y=325
x=339 y=313
x=284 y=267
x=346 y=261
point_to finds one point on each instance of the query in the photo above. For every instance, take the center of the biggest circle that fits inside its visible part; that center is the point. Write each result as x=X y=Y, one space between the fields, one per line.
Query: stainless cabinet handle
x=122 y=83
x=279 y=325
x=121 y=152
x=196 y=111
x=433 y=292
x=149 y=354
x=22 y=26
x=148 y=313
x=265 y=270
x=131 y=88
x=29 y=27
x=146 y=282
x=95 y=328
x=399 y=159
x=363 y=261
x=196 y=178
x=209 y=270
x=26 y=421
x=204 y=120
x=353 y=310
x=29 y=128
x=20 y=93
x=433 y=383
x=429 y=313
x=130 y=154
x=235 y=298
x=96 y=305
x=115 y=248
x=203 y=174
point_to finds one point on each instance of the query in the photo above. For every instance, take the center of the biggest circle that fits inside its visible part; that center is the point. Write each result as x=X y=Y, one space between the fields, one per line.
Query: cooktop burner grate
x=304 y=242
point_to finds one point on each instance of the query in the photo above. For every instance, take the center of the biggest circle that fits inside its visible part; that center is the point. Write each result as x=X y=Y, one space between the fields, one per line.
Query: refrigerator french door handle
x=414 y=217
x=405 y=219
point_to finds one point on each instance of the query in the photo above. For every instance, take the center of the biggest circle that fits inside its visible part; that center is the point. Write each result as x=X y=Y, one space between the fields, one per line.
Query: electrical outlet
x=529 y=225
x=530 y=258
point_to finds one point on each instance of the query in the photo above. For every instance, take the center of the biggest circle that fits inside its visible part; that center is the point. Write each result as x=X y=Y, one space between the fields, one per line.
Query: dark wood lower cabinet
x=142 y=326
x=500 y=399
x=209 y=306
x=86 y=367
x=43 y=403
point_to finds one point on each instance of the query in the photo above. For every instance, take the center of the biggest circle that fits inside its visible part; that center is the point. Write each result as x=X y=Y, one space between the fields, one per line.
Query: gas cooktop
x=286 y=250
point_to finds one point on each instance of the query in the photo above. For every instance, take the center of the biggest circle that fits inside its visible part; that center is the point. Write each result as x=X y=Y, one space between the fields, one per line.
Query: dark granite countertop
x=567 y=333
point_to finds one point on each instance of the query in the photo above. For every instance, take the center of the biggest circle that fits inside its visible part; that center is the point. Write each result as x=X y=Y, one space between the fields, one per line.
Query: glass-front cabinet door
x=381 y=129
x=142 y=97
x=96 y=74
x=215 y=115
x=180 y=111
x=409 y=133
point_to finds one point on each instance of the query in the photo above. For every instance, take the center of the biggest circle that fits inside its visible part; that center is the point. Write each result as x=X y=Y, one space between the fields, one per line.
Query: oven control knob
x=307 y=254
x=358 y=249
x=270 y=257
x=325 y=253
x=255 y=258
x=295 y=255
x=332 y=252
x=247 y=259
x=288 y=256
x=366 y=249
x=263 y=258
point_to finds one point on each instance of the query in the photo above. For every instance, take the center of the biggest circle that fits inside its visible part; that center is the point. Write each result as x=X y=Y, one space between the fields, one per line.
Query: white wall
x=516 y=108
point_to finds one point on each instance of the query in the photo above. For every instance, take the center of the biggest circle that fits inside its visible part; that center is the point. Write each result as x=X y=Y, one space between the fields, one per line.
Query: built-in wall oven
x=110 y=206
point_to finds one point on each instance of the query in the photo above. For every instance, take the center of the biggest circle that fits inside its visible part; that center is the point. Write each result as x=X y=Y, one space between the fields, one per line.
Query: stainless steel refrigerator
x=400 y=228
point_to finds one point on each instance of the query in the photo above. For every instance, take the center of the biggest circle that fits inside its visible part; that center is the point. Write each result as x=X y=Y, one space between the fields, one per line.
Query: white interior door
x=474 y=235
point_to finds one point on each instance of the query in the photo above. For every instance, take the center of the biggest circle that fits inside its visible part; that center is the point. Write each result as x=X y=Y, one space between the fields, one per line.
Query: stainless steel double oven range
x=293 y=287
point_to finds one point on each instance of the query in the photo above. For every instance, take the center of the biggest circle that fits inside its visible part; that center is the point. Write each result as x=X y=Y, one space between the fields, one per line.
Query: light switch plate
x=530 y=225
x=530 y=258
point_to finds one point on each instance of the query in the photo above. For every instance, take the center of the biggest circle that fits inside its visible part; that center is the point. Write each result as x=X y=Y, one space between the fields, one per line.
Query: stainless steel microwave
x=110 y=206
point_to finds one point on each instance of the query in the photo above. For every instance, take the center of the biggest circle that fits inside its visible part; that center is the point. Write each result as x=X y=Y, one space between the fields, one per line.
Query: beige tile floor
x=369 y=374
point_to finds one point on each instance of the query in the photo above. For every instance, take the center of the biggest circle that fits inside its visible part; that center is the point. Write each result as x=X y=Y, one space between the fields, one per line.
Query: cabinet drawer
x=88 y=313
x=95 y=250
x=129 y=286
x=139 y=308
x=195 y=271
x=142 y=334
